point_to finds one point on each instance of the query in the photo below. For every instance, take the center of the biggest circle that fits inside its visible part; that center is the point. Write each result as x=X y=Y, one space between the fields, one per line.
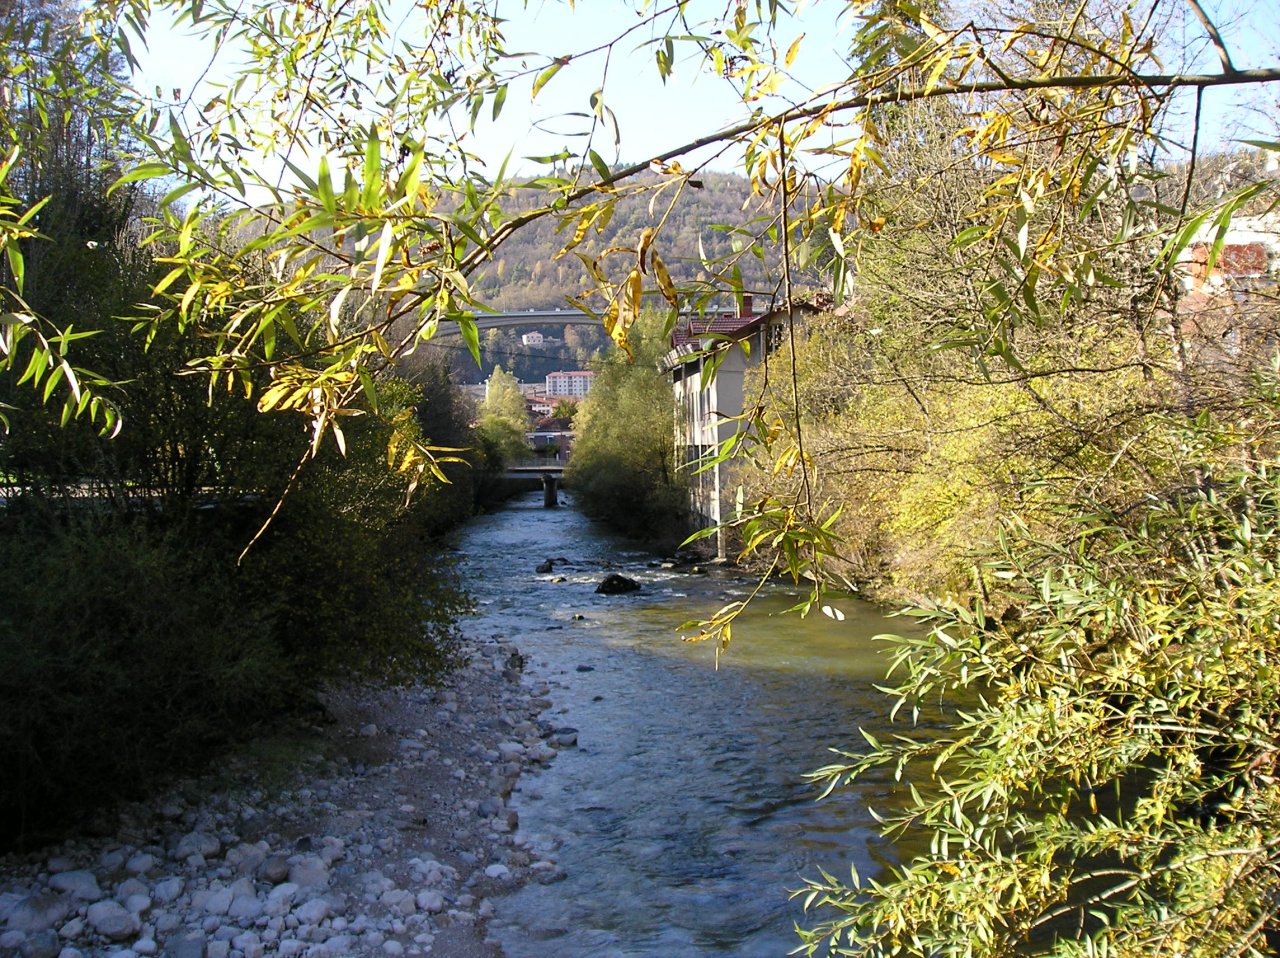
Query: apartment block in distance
x=572 y=384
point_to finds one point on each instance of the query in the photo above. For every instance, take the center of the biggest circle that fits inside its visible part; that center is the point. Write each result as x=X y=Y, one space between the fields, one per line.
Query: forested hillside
x=564 y=347
x=704 y=236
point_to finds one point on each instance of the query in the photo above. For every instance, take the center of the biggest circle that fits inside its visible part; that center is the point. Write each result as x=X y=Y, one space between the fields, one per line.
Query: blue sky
x=654 y=116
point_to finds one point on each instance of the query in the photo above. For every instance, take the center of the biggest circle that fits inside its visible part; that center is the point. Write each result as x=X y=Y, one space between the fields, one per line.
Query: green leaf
x=17 y=265
x=545 y=77
x=470 y=333
x=372 y=169
x=324 y=185
x=144 y=171
x=598 y=163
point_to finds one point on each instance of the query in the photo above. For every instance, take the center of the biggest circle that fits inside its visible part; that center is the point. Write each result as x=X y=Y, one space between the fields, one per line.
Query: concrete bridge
x=548 y=471
x=530 y=317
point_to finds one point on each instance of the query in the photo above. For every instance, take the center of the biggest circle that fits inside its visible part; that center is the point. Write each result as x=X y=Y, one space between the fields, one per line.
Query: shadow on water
x=683 y=818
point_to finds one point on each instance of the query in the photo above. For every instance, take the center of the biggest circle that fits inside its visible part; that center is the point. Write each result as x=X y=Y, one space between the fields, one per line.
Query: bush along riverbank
x=137 y=642
x=384 y=830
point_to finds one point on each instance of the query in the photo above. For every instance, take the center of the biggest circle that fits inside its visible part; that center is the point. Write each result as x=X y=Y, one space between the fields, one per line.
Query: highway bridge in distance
x=551 y=317
x=529 y=317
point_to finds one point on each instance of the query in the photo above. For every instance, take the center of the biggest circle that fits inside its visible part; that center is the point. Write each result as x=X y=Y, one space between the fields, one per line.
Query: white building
x=572 y=384
x=705 y=417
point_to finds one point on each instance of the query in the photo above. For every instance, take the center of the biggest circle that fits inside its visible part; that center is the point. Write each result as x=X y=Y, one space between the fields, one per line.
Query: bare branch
x=1218 y=44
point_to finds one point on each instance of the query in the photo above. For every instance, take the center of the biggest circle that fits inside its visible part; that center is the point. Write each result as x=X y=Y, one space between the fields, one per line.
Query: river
x=683 y=819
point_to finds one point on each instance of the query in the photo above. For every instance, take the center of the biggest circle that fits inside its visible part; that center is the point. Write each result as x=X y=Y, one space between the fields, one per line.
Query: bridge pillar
x=549 y=500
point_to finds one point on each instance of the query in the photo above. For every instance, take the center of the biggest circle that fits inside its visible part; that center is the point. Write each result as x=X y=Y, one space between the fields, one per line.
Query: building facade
x=709 y=413
x=569 y=384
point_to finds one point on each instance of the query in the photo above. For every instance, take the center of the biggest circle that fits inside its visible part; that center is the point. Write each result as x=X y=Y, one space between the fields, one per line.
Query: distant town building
x=540 y=404
x=1227 y=314
x=572 y=384
x=552 y=438
x=707 y=413
x=536 y=338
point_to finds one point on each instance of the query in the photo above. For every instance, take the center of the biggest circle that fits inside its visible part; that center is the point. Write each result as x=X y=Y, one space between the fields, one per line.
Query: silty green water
x=683 y=819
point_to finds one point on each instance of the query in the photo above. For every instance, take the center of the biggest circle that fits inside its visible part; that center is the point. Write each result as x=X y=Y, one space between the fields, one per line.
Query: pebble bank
x=386 y=831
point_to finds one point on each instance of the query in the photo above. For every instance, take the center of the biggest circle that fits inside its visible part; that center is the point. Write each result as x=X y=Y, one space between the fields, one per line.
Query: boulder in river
x=615 y=584
x=544 y=567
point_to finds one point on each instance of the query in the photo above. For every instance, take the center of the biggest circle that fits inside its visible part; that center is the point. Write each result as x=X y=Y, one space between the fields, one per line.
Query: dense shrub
x=124 y=651
x=364 y=588
x=131 y=643
x=1108 y=785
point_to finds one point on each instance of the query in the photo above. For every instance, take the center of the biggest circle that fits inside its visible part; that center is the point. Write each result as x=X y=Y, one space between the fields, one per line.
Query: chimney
x=747 y=308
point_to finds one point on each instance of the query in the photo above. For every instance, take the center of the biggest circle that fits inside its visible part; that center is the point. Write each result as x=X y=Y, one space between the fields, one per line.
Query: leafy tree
x=504 y=399
x=56 y=222
x=623 y=461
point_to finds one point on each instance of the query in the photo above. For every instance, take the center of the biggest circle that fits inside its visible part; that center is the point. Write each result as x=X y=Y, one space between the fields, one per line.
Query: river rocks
x=381 y=842
x=616 y=584
x=196 y=843
x=39 y=912
x=274 y=869
x=564 y=737
x=44 y=945
x=309 y=871
x=140 y=864
x=167 y=889
x=79 y=884
x=544 y=567
x=112 y=920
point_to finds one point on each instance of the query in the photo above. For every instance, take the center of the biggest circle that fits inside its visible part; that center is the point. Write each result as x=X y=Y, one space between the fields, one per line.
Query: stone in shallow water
x=615 y=584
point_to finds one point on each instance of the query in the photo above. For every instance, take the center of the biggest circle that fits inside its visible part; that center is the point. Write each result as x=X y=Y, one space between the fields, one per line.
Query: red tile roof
x=719 y=324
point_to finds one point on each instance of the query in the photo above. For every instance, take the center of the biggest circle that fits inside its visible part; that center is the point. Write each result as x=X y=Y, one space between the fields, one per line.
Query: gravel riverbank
x=383 y=830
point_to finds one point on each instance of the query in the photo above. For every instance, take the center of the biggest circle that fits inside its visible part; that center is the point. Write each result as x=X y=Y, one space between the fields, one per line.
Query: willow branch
x=1214 y=36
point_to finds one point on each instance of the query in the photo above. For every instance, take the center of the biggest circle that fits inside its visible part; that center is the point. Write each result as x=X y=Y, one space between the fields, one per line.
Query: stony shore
x=382 y=829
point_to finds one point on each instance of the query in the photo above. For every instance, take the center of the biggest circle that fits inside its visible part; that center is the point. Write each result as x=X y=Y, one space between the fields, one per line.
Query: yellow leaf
x=665 y=286
x=792 y=51
x=646 y=240
x=623 y=312
x=580 y=231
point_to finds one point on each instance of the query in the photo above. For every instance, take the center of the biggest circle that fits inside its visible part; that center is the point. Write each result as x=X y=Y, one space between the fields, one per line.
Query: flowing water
x=683 y=818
